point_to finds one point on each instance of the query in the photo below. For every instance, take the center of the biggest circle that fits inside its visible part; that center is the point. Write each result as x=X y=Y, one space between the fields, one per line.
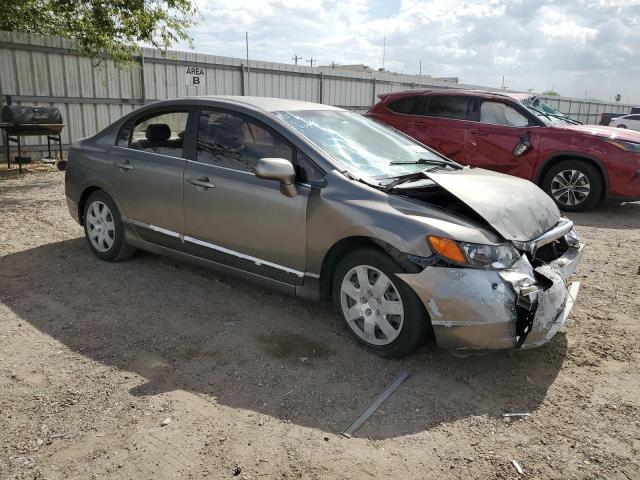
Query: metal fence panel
x=91 y=94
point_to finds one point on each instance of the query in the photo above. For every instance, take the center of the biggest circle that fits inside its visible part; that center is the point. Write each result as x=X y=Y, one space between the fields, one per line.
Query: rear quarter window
x=407 y=105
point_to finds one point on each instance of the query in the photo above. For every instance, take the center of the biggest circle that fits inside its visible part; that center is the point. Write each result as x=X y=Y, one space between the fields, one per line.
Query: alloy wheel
x=101 y=228
x=372 y=305
x=570 y=187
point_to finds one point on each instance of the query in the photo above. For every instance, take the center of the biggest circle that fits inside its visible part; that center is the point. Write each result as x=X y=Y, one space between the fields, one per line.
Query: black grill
x=20 y=120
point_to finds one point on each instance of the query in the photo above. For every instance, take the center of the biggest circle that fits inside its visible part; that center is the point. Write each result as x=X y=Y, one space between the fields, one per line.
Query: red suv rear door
x=493 y=140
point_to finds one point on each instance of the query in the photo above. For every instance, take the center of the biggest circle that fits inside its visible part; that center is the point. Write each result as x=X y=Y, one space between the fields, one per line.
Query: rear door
x=146 y=168
x=233 y=217
x=444 y=125
x=492 y=140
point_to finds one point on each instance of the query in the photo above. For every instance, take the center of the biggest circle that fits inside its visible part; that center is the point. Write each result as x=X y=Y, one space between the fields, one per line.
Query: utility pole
x=295 y=58
x=384 y=46
x=504 y=87
x=246 y=38
x=310 y=61
x=420 y=74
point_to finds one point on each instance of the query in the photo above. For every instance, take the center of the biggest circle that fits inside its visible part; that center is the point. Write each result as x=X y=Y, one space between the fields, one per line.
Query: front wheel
x=621 y=126
x=380 y=310
x=574 y=185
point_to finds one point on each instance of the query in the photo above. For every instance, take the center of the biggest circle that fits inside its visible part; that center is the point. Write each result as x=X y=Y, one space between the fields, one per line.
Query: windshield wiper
x=427 y=161
x=404 y=179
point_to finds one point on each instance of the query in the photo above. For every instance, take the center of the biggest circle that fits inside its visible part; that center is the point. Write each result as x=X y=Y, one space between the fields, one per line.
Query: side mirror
x=522 y=147
x=281 y=170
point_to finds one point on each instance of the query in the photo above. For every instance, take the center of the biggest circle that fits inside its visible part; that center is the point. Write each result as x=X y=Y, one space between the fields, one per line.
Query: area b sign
x=194 y=76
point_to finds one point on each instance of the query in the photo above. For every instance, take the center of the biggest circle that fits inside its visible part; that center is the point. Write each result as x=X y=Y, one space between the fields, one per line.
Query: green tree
x=551 y=93
x=111 y=27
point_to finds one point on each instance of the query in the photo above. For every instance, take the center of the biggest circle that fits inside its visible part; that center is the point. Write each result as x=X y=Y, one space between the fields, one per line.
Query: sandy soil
x=95 y=356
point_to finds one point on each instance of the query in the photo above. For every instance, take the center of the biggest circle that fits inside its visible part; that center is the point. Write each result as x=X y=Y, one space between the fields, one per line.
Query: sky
x=579 y=48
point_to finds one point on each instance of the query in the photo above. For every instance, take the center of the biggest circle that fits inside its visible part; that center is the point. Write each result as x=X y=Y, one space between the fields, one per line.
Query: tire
x=406 y=314
x=621 y=126
x=103 y=228
x=586 y=180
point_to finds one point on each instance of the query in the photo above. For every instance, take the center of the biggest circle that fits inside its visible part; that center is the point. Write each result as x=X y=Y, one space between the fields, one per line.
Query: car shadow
x=609 y=215
x=242 y=346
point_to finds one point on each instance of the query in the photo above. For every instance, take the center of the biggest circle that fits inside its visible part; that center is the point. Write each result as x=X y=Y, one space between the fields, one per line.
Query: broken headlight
x=476 y=255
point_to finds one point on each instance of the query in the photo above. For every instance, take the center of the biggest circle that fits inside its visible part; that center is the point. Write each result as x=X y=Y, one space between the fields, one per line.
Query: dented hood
x=517 y=209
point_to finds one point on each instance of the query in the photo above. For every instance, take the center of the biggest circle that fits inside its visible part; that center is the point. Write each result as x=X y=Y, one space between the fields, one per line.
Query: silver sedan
x=325 y=204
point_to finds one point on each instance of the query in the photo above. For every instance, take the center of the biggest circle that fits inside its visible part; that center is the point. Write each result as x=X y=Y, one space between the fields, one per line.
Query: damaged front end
x=523 y=306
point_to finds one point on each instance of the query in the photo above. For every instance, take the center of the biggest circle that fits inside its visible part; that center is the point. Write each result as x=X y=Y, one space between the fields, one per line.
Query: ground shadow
x=609 y=215
x=182 y=327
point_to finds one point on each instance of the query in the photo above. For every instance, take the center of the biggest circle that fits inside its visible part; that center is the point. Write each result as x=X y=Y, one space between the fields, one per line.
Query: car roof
x=460 y=91
x=269 y=104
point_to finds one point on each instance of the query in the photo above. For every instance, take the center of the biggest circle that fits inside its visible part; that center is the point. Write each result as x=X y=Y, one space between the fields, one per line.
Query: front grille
x=549 y=252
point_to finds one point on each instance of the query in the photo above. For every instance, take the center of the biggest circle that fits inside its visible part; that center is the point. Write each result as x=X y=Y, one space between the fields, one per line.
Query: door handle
x=420 y=124
x=201 y=182
x=479 y=133
x=125 y=165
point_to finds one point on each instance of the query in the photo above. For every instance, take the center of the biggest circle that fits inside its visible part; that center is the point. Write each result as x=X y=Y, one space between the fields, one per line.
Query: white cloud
x=576 y=45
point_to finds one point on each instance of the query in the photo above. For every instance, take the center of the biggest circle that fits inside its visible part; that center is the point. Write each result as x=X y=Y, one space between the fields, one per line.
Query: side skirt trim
x=183 y=238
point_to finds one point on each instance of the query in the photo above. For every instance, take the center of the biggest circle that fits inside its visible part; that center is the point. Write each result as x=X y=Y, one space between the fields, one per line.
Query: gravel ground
x=96 y=356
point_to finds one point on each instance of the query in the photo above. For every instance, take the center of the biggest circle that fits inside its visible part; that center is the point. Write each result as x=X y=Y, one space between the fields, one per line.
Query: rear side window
x=407 y=105
x=161 y=133
x=496 y=113
x=634 y=117
x=449 y=106
x=233 y=141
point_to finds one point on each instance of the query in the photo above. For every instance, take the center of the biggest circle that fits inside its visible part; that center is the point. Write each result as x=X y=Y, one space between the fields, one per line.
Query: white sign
x=194 y=76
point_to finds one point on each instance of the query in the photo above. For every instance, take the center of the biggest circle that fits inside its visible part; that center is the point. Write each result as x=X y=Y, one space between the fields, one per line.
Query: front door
x=492 y=140
x=146 y=169
x=232 y=216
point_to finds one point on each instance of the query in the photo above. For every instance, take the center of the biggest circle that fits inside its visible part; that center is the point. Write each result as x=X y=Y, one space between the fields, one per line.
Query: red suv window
x=449 y=106
x=407 y=105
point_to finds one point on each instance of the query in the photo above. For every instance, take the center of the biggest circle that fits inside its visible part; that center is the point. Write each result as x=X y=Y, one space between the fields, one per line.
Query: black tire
x=621 y=126
x=593 y=176
x=119 y=250
x=415 y=325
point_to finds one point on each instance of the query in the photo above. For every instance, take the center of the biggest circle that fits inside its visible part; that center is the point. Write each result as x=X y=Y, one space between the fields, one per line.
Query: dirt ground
x=95 y=356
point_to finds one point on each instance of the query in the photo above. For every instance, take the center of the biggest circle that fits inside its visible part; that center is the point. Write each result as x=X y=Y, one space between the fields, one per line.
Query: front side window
x=234 y=141
x=407 y=105
x=161 y=133
x=497 y=113
x=363 y=146
x=449 y=106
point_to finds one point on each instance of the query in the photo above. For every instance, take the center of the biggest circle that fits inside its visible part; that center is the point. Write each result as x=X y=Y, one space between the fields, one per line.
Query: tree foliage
x=111 y=27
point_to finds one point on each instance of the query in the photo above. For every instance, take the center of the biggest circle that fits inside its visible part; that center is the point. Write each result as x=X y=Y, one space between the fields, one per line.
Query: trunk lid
x=516 y=208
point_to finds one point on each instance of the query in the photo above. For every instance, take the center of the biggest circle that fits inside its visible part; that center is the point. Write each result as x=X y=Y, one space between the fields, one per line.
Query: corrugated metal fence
x=37 y=70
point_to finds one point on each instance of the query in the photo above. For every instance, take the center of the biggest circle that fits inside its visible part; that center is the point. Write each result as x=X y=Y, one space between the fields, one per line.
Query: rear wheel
x=574 y=185
x=380 y=310
x=103 y=228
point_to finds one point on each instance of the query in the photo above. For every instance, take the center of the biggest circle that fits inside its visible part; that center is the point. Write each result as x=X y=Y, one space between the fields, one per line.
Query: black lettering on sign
x=196 y=80
x=195 y=71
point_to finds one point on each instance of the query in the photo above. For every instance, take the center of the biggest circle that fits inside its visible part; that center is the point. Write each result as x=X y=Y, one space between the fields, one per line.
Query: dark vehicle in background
x=326 y=204
x=518 y=134
x=606 y=117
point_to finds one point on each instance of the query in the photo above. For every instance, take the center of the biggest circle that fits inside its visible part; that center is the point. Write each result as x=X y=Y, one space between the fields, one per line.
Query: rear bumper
x=489 y=309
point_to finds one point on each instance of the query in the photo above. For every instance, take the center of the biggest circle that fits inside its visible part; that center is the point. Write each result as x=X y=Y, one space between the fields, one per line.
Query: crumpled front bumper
x=495 y=309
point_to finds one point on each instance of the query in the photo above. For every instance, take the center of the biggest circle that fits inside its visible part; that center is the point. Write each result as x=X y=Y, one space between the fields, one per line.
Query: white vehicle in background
x=631 y=122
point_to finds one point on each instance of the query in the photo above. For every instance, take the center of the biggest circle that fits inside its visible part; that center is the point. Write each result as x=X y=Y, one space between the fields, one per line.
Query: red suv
x=577 y=165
